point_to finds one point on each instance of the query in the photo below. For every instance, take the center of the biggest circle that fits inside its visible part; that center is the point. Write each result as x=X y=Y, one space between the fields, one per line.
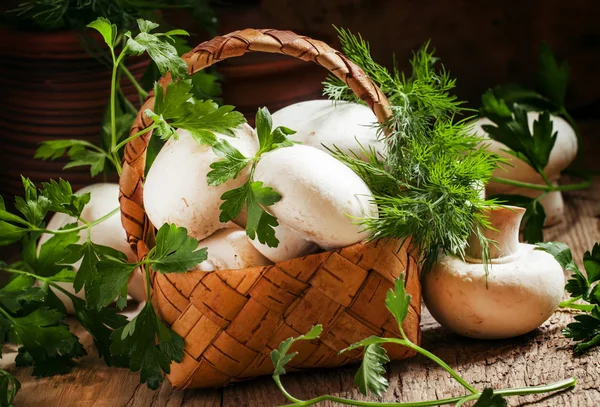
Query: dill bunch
x=427 y=186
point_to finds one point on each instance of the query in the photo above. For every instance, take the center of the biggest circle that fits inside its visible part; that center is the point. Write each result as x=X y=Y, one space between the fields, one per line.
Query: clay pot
x=52 y=88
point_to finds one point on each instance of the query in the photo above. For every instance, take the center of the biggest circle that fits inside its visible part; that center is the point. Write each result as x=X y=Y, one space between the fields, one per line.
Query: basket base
x=232 y=319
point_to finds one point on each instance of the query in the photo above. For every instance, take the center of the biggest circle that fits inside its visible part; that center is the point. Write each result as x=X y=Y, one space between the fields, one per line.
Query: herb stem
x=550 y=188
x=571 y=304
x=407 y=343
x=460 y=400
x=135 y=83
x=113 y=111
x=129 y=105
x=78 y=228
x=6 y=315
x=136 y=135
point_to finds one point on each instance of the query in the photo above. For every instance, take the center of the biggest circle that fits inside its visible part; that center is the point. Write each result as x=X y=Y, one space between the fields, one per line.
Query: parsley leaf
x=106 y=29
x=34 y=208
x=45 y=339
x=270 y=139
x=46 y=263
x=80 y=152
x=370 y=374
x=160 y=50
x=20 y=289
x=398 y=300
x=150 y=345
x=109 y=282
x=280 y=356
x=490 y=399
x=260 y=224
x=534 y=149
x=175 y=251
x=253 y=194
x=9 y=387
x=10 y=233
x=586 y=328
x=100 y=324
x=553 y=79
x=89 y=253
x=229 y=168
x=176 y=108
x=62 y=199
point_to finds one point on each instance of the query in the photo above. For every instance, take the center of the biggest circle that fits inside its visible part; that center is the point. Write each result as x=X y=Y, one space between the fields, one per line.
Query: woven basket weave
x=232 y=319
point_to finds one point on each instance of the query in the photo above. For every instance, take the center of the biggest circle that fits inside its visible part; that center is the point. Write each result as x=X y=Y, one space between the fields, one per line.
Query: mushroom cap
x=345 y=125
x=563 y=153
x=104 y=197
x=291 y=245
x=176 y=189
x=522 y=292
x=230 y=249
x=322 y=199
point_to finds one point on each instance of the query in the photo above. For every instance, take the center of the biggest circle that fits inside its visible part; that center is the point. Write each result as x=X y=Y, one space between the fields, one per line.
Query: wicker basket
x=232 y=319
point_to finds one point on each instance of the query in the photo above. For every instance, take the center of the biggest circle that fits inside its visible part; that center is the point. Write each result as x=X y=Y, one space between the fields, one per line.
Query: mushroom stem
x=505 y=222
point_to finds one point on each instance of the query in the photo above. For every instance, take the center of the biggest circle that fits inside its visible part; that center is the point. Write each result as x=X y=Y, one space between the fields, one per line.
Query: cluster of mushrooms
x=321 y=200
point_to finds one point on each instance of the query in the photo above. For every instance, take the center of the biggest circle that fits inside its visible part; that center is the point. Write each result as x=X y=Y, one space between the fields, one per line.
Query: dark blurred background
x=482 y=43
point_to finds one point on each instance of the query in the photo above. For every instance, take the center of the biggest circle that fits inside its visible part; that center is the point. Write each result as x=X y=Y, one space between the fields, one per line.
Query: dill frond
x=425 y=186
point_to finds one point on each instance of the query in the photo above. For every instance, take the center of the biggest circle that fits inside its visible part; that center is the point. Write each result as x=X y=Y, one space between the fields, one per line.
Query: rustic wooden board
x=539 y=357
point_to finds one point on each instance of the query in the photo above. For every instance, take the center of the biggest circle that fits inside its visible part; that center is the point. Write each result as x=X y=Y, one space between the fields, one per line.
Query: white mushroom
x=176 y=189
x=320 y=123
x=563 y=153
x=230 y=249
x=322 y=199
x=103 y=199
x=522 y=290
x=291 y=245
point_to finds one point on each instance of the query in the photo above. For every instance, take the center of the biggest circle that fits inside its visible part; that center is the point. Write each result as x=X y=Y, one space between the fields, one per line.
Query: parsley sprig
x=425 y=185
x=163 y=50
x=507 y=106
x=175 y=108
x=254 y=194
x=585 y=331
x=145 y=341
x=34 y=315
x=370 y=377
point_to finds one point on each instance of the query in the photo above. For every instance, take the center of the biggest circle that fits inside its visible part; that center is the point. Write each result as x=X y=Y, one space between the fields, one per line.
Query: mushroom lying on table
x=103 y=199
x=523 y=288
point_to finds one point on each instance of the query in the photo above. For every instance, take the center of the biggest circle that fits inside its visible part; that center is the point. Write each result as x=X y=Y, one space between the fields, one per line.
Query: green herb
x=34 y=315
x=426 y=184
x=161 y=50
x=148 y=356
x=370 y=376
x=260 y=224
x=507 y=106
x=9 y=387
x=174 y=252
x=176 y=108
x=585 y=331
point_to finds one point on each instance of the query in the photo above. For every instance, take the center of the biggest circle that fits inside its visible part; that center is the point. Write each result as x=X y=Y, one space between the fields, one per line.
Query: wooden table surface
x=539 y=357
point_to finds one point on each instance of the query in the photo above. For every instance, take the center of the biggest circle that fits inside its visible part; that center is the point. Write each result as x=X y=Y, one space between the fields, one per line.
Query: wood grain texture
x=538 y=357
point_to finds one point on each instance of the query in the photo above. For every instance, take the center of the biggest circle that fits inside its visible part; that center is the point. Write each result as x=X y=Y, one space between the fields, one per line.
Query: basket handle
x=140 y=232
